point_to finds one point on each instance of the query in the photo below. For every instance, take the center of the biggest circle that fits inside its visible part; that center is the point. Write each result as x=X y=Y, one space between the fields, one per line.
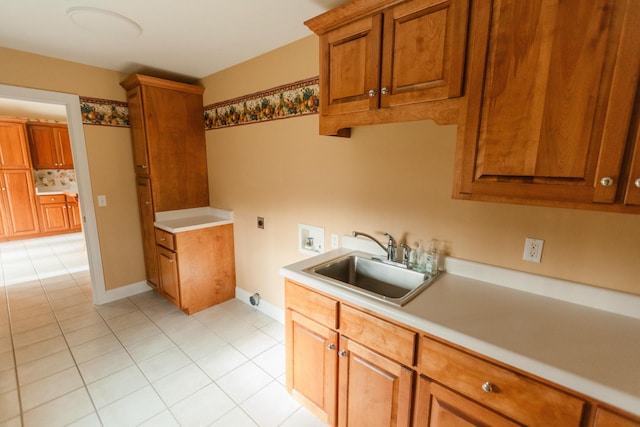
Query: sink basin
x=365 y=274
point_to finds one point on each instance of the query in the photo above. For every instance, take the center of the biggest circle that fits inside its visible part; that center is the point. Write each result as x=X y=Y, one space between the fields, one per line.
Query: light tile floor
x=136 y=361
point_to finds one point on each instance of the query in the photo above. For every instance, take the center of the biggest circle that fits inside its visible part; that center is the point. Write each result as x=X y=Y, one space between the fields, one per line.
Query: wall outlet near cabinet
x=532 y=249
x=310 y=239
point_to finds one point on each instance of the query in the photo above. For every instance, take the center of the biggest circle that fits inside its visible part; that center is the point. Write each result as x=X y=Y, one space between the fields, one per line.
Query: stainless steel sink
x=365 y=274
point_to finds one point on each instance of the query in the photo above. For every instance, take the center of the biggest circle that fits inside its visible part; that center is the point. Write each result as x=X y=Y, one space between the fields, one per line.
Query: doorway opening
x=71 y=105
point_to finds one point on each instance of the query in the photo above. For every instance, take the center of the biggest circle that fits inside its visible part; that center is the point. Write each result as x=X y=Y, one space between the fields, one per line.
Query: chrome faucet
x=390 y=249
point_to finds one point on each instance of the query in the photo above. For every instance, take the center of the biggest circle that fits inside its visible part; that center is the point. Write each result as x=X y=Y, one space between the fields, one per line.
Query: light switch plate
x=102 y=200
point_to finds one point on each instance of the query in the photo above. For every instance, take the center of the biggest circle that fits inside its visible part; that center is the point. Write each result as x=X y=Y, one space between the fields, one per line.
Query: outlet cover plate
x=532 y=249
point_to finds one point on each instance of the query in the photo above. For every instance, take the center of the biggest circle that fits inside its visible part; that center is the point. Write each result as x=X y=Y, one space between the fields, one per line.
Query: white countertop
x=590 y=350
x=192 y=219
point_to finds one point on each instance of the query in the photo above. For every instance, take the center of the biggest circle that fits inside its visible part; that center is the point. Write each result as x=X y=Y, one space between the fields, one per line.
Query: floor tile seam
x=55 y=398
x=13 y=350
x=186 y=397
x=123 y=396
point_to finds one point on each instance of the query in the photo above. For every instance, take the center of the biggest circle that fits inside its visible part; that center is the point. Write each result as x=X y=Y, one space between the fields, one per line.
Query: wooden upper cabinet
x=387 y=61
x=167 y=129
x=13 y=145
x=50 y=146
x=550 y=97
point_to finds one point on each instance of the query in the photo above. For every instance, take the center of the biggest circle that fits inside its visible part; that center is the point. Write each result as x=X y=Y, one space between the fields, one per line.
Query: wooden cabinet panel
x=514 y=395
x=424 y=51
x=384 y=337
x=632 y=193
x=312 y=365
x=53 y=213
x=147 y=217
x=50 y=146
x=607 y=418
x=319 y=308
x=350 y=67
x=19 y=204
x=13 y=145
x=166 y=239
x=551 y=88
x=387 y=61
x=168 y=275
x=373 y=390
x=75 y=217
x=138 y=134
x=437 y=406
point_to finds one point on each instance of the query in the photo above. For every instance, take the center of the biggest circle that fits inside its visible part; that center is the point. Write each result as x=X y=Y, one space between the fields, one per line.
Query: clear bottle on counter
x=431 y=266
x=420 y=262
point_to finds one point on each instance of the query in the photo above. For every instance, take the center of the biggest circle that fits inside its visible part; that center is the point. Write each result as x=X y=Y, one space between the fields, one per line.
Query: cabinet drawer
x=385 y=338
x=514 y=395
x=320 y=308
x=51 y=198
x=166 y=239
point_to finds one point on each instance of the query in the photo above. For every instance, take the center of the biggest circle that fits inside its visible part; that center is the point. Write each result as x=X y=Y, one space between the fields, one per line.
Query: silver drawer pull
x=331 y=346
x=487 y=387
x=342 y=353
x=637 y=183
x=372 y=93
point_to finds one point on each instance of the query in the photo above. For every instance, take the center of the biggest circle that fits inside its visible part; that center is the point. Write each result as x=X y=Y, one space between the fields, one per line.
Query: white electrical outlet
x=532 y=249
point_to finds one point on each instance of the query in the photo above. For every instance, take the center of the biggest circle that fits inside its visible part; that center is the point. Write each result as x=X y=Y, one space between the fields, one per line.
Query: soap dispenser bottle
x=432 y=258
x=420 y=259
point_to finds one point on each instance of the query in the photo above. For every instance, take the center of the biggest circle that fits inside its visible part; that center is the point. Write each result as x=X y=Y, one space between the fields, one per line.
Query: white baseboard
x=121 y=292
x=264 y=306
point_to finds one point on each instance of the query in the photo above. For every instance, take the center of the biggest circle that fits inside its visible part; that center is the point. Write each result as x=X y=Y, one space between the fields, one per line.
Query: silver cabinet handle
x=372 y=93
x=162 y=239
x=342 y=353
x=487 y=387
x=331 y=346
x=384 y=91
x=637 y=183
x=607 y=181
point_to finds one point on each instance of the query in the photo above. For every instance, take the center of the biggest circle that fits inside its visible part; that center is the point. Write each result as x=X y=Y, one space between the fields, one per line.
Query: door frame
x=81 y=165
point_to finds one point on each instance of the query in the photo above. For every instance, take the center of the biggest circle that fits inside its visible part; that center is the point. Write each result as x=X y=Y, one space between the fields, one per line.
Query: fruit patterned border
x=104 y=112
x=290 y=100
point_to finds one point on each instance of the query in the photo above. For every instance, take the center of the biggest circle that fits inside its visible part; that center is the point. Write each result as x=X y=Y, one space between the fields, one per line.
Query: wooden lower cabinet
x=196 y=267
x=388 y=374
x=312 y=358
x=59 y=213
x=438 y=406
x=374 y=391
x=147 y=218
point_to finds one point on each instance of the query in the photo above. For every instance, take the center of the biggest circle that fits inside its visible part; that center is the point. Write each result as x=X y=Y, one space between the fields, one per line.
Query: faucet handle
x=391 y=241
x=406 y=253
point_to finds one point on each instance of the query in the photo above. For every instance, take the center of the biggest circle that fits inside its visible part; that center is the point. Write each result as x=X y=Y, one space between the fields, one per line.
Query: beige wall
x=394 y=178
x=108 y=152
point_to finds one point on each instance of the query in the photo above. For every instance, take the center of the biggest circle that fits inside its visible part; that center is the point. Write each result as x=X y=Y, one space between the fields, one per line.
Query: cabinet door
x=437 y=406
x=606 y=418
x=54 y=217
x=632 y=195
x=423 y=55
x=550 y=94
x=147 y=217
x=43 y=147
x=373 y=390
x=13 y=146
x=19 y=195
x=138 y=135
x=168 y=272
x=350 y=67
x=63 y=147
x=75 y=218
x=312 y=365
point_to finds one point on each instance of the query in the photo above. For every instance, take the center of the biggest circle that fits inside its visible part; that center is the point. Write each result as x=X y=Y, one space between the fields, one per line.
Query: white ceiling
x=186 y=39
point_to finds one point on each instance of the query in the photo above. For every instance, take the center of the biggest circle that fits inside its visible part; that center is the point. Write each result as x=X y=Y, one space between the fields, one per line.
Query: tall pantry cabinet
x=169 y=153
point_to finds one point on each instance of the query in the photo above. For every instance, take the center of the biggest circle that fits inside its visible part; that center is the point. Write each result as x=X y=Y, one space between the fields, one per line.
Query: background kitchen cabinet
x=18 y=205
x=196 y=267
x=607 y=418
x=18 y=209
x=50 y=146
x=550 y=96
x=14 y=152
x=378 y=56
x=59 y=213
x=147 y=216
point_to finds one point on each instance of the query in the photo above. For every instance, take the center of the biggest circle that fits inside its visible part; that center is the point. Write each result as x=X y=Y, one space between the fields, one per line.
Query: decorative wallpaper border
x=290 y=100
x=104 y=112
